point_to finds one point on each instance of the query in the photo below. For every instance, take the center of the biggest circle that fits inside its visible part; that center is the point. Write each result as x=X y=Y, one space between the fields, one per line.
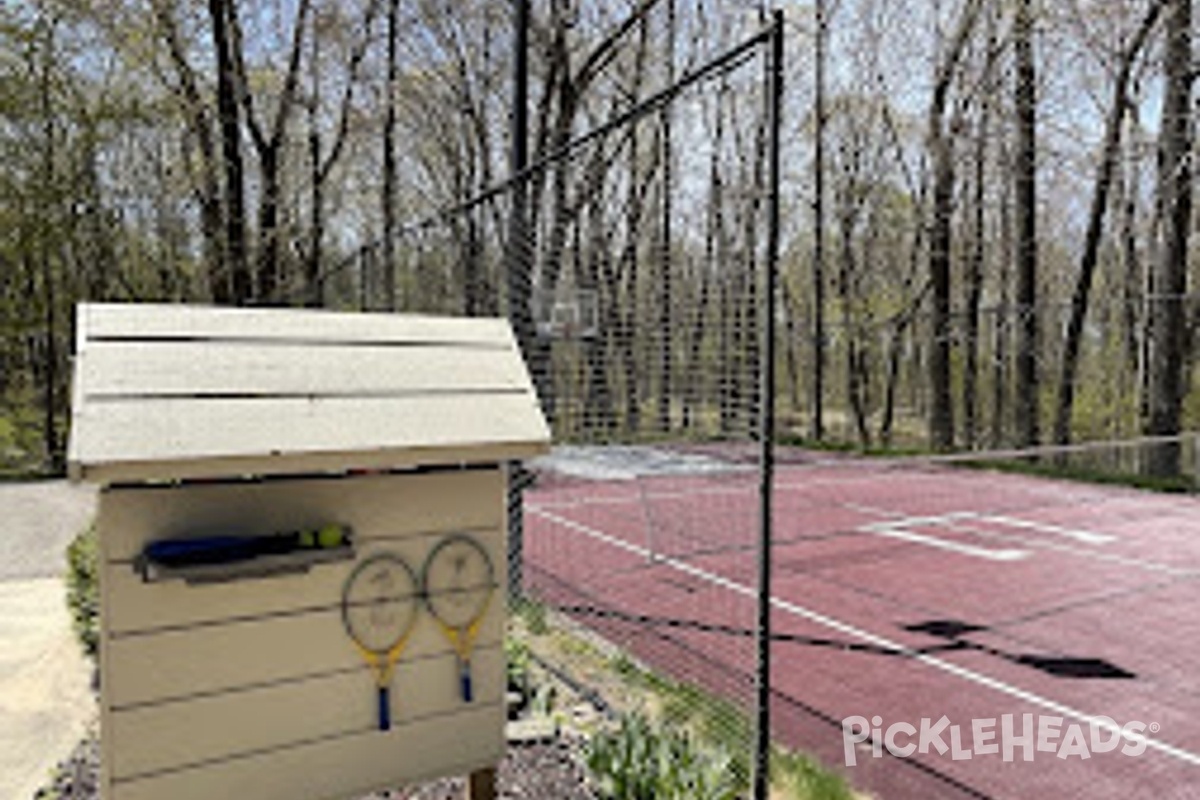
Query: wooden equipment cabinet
x=200 y=422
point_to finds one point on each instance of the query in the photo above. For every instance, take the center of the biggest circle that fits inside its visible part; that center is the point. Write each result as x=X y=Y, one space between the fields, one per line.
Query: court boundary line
x=845 y=628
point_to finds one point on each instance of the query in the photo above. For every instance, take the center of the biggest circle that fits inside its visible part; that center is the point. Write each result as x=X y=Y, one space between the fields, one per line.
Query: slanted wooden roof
x=165 y=392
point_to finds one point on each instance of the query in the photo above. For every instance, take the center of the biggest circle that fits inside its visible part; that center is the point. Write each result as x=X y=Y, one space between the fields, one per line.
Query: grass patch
x=1173 y=484
x=83 y=589
x=21 y=456
x=679 y=729
x=638 y=760
x=852 y=448
x=1045 y=466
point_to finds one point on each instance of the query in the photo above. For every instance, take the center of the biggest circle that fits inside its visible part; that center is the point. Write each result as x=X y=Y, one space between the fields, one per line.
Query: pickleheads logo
x=1009 y=737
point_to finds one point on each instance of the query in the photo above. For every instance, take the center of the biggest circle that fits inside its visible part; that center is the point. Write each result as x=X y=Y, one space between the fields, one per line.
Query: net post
x=516 y=480
x=481 y=785
x=1196 y=461
x=516 y=262
x=762 y=742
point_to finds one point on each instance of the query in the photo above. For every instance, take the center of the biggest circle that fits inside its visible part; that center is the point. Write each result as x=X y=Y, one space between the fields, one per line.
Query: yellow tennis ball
x=330 y=535
x=308 y=539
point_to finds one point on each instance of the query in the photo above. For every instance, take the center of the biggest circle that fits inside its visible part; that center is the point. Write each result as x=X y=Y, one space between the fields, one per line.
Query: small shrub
x=636 y=761
x=533 y=614
x=803 y=778
x=83 y=589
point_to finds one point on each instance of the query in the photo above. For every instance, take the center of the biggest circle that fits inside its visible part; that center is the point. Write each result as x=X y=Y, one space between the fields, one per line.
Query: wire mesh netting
x=646 y=262
x=633 y=261
x=632 y=257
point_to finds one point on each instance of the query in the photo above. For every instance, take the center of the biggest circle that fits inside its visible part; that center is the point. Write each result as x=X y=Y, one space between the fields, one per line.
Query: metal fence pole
x=762 y=744
x=517 y=272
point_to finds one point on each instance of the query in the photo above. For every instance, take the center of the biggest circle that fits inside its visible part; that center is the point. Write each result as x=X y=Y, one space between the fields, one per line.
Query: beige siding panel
x=375 y=506
x=182 y=370
x=147 y=606
x=158 y=472
x=176 y=431
x=217 y=658
x=159 y=321
x=340 y=768
x=107 y=613
x=148 y=739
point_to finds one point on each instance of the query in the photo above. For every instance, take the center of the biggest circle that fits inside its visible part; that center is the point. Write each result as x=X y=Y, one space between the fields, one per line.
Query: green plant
x=533 y=614
x=636 y=761
x=724 y=729
x=517 y=657
x=83 y=589
x=801 y=777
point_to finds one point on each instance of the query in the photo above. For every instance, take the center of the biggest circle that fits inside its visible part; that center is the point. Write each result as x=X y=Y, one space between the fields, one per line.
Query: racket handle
x=468 y=693
x=385 y=709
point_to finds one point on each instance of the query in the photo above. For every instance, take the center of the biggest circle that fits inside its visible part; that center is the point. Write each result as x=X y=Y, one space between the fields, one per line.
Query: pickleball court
x=901 y=589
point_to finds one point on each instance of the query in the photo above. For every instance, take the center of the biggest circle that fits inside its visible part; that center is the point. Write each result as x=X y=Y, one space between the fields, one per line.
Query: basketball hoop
x=565 y=315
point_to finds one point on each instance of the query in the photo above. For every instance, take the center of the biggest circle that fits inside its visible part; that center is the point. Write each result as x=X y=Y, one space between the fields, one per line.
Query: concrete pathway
x=45 y=696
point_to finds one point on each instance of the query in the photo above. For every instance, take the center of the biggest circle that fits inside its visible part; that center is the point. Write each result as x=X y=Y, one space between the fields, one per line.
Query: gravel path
x=38 y=520
x=45 y=697
x=538 y=771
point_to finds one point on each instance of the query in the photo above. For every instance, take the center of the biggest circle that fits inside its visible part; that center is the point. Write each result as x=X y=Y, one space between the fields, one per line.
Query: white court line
x=958 y=521
x=986 y=553
x=879 y=641
x=900 y=528
x=1086 y=537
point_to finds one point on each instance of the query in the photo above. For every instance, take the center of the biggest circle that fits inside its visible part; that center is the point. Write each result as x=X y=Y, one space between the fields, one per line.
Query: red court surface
x=1079 y=603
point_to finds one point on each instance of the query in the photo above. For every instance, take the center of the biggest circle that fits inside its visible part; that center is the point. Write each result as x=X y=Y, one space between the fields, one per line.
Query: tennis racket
x=459 y=582
x=379 y=609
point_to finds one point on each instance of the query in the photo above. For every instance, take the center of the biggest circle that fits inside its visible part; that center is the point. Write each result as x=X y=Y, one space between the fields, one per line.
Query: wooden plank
x=105 y=668
x=336 y=769
x=375 y=506
x=187 y=662
x=158 y=472
x=147 y=739
x=142 y=607
x=186 y=370
x=276 y=431
x=150 y=321
x=481 y=785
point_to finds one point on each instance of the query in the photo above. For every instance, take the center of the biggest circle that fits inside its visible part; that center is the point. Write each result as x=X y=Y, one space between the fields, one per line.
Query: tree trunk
x=941 y=148
x=941 y=419
x=665 y=319
x=388 y=197
x=240 y=284
x=818 y=275
x=50 y=396
x=975 y=271
x=1095 y=228
x=1167 y=321
x=208 y=192
x=1000 y=365
x=1026 y=401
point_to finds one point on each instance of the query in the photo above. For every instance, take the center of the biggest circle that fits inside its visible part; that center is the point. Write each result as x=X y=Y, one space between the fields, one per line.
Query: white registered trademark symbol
x=1155 y=727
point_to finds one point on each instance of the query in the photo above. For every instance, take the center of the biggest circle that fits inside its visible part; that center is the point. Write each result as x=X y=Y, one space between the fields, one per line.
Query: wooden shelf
x=264 y=566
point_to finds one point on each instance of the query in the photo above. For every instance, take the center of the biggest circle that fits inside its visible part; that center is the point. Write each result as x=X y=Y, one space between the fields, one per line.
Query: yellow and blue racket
x=459 y=582
x=379 y=609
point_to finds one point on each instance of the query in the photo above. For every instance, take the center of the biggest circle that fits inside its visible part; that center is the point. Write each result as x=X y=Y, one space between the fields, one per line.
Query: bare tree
x=241 y=288
x=1026 y=405
x=941 y=149
x=1105 y=175
x=1168 y=322
x=817 y=430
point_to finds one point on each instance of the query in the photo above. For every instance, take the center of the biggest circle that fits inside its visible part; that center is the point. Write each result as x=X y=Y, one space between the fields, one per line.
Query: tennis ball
x=307 y=539
x=330 y=535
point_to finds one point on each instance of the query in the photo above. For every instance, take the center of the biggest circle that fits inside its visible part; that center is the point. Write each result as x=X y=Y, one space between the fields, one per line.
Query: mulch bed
x=535 y=771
